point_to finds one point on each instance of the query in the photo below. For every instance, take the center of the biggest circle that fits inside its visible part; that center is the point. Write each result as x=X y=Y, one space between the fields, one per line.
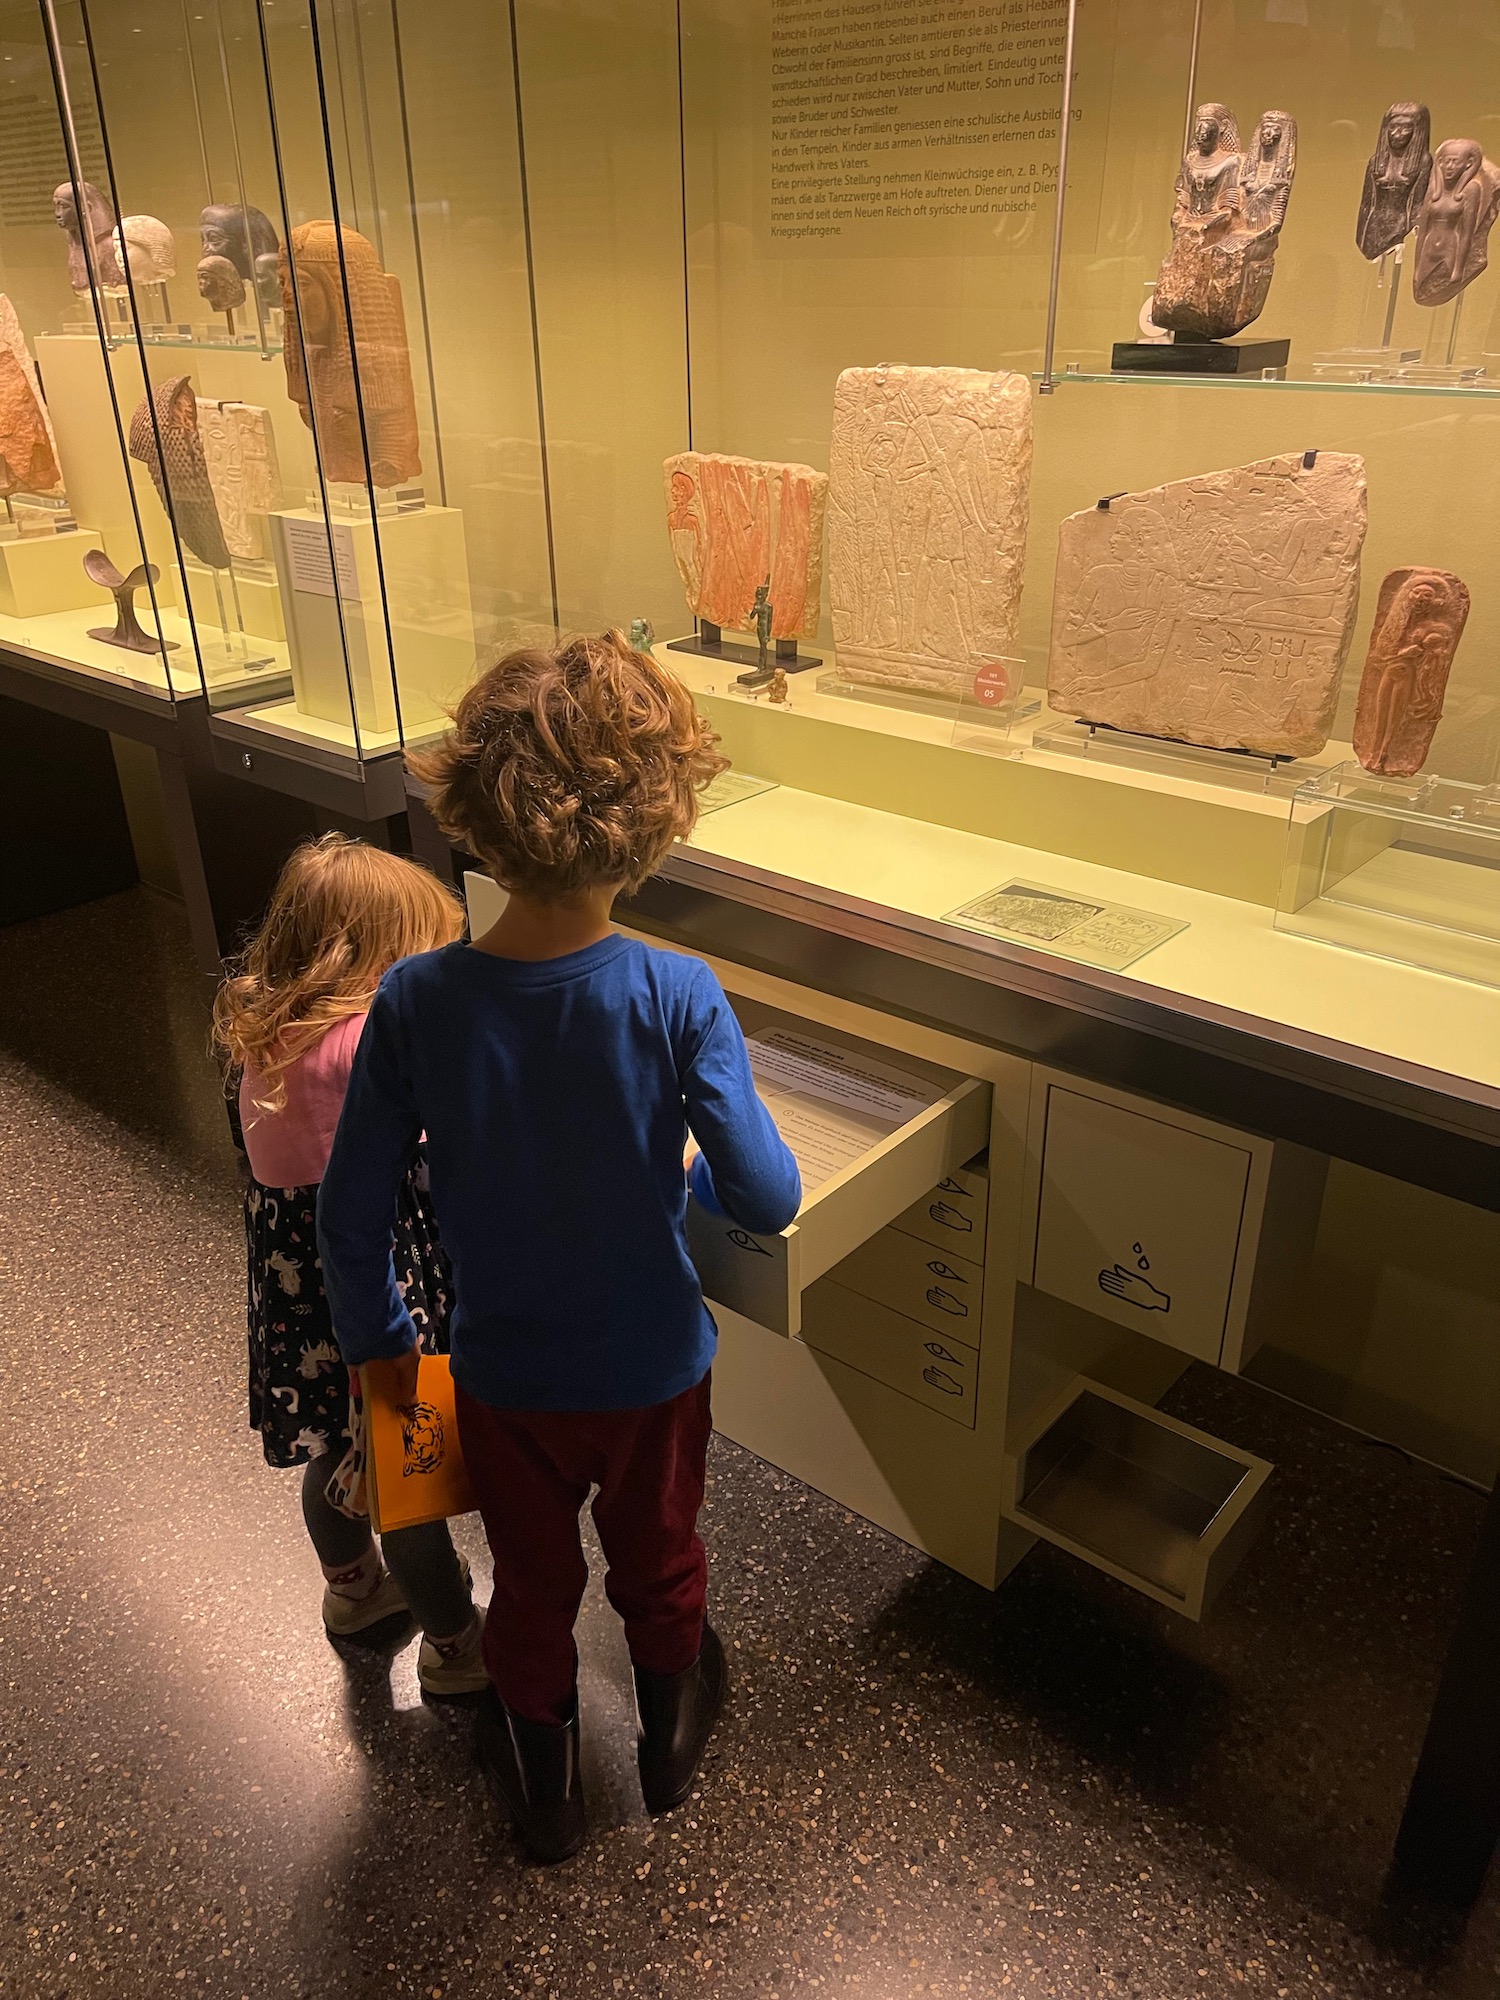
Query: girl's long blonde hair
x=340 y=916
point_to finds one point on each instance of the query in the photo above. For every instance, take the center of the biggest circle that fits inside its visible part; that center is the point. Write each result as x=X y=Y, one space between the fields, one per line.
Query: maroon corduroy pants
x=531 y=1471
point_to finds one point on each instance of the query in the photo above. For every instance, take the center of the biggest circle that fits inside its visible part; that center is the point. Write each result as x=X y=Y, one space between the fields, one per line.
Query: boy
x=555 y=1068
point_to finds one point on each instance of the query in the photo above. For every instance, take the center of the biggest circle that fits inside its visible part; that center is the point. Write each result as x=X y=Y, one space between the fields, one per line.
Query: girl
x=289 y=1021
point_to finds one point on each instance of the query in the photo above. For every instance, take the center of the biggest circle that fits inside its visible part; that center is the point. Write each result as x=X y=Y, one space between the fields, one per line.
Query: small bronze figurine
x=762 y=612
x=778 y=689
x=127 y=630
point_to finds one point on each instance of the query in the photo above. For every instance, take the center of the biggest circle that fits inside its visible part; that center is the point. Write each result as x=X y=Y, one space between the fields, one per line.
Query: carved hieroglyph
x=1395 y=180
x=323 y=386
x=734 y=522
x=1226 y=223
x=1215 y=610
x=1419 y=621
x=99 y=221
x=184 y=489
x=239 y=449
x=1453 y=227
x=28 y=450
x=928 y=493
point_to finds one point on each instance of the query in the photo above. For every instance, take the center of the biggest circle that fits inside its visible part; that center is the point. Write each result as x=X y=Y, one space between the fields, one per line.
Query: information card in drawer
x=832 y=1103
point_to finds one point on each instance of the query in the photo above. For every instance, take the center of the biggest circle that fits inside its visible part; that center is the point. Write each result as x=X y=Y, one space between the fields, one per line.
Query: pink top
x=290 y=1147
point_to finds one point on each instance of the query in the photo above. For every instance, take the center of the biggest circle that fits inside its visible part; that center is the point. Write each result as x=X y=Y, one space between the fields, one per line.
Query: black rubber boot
x=533 y=1767
x=675 y=1715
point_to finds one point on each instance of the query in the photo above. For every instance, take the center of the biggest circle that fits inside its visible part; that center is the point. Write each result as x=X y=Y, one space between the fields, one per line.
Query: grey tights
x=422 y=1560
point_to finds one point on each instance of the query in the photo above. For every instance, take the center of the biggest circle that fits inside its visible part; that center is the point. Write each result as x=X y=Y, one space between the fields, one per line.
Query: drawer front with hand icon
x=938 y=1288
x=935 y=1369
x=952 y=1214
x=1141 y=1218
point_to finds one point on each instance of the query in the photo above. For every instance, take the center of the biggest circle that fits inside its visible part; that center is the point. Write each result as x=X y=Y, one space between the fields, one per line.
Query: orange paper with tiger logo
x=414 y=1468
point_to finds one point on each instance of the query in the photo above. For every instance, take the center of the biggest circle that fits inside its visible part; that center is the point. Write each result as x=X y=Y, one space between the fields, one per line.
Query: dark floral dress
x=302 y=1399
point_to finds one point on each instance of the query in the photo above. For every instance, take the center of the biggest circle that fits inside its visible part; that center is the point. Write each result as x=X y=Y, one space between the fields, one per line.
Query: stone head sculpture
x=90 y=236
x=331 y=381
x=144 y=246
x=1215 y=131
x=247 y=238
x=220 y=284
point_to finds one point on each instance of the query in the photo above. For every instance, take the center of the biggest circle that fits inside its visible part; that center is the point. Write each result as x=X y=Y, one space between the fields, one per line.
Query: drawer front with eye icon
x=952 y=1214
x=937 y=1370
x=937 y=1288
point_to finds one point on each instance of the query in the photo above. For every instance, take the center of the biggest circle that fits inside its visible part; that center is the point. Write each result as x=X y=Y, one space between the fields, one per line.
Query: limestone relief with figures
x=1216 y=610
x=1419 y=620
x=928 y=498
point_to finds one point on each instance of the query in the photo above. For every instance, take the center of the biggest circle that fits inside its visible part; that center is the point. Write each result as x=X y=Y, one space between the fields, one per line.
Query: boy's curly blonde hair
x=572 y=768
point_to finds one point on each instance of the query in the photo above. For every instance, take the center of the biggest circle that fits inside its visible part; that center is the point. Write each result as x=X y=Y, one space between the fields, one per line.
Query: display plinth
x=411 y=569
x=1243 y=770
x=42 y=573
x=710 y=644
x=1406 y=868
x=1198 y=357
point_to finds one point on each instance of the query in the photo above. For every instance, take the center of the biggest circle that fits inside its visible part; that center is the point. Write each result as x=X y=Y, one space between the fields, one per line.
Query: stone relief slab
x=1419 y=621
x=736 y=522
x=928 y=499
x=1216 y=610
x=239 y=449
x=28 y=450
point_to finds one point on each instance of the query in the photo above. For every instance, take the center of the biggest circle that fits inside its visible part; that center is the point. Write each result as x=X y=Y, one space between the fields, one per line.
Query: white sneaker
x=344 y=1616
x=457 y=1671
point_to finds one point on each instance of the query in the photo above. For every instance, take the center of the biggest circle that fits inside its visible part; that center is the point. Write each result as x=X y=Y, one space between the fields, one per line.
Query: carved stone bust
x=1395 y=180
x=146 y=247
x=247 y=238
x=99 y=223
x=220 y=283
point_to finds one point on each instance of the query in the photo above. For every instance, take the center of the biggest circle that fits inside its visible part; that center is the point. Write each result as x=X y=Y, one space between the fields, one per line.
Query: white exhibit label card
x=830 y=1103
x=312 y=568
x=1110 y=935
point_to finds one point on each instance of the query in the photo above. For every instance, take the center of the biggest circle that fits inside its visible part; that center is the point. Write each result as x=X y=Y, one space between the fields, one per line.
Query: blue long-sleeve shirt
x=555 y=1096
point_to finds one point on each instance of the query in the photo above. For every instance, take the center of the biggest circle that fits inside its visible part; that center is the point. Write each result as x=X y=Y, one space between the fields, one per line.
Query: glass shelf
x=1485 y=390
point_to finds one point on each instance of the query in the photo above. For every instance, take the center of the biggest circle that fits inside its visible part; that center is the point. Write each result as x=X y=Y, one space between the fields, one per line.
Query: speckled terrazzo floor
x=918 y=1789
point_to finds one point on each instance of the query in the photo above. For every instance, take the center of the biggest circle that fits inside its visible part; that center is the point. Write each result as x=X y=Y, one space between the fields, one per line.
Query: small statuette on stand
x=127 y=631
x=642 y=635
x=1395 y=180
x=1453 y=226
x=778 y=690
x=762 y=613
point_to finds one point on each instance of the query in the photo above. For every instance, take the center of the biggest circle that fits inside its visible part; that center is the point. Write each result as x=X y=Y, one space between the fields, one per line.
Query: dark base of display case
x=709 y=645
x=1198 y=357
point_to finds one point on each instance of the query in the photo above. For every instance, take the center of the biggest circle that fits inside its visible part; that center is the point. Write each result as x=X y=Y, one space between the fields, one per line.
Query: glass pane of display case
x=87 y=575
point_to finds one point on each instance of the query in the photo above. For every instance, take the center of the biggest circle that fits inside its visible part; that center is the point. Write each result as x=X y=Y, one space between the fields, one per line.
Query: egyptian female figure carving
x=329 y=380
x=1395 y=180
x=1453 y=228
x=1419 y=621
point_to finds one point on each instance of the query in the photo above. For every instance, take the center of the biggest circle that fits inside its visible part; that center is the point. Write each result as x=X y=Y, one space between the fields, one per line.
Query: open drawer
x=1163 y=1507
x=873 y=1131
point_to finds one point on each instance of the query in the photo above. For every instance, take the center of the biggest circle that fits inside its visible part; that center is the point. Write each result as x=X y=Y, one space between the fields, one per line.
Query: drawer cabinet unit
x=763 y=1278
x=935 y=1287
x=1161 y=1221
x=936 y=1369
